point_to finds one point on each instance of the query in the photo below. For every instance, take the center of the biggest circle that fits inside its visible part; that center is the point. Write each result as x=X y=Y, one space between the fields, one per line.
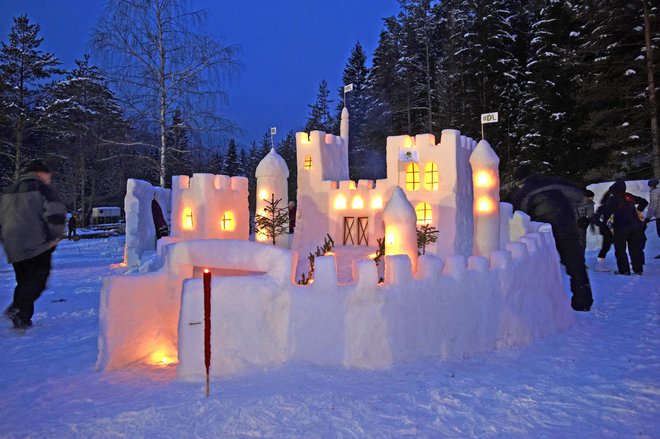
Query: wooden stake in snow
x=207 y=326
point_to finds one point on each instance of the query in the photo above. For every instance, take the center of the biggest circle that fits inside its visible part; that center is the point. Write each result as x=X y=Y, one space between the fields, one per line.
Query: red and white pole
x=207 y=326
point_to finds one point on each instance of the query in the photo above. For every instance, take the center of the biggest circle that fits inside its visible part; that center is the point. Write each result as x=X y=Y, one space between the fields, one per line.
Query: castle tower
x=400 y=227
x=343 y=127
x=272 y=175
x=486 y=210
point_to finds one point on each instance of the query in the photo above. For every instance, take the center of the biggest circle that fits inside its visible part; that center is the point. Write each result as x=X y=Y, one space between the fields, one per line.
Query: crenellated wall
x=328 y=203
x=450 y=307
x=207 y=206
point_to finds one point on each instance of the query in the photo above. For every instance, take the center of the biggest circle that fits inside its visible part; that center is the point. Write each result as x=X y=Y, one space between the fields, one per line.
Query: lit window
x=412 y=177
x=423 y=213
x=187 y=218
x=377 y=203
x=308 y=162
x=263 y=194
x=431 y=176
x=357 y=203
x=340 y=202
x=484 y=179
x=227 y=221
x=485 y=205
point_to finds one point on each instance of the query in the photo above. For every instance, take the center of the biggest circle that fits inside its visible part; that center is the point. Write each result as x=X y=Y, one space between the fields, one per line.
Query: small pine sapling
x=426 y=234
x=379 y=255
x=275 y=220
x=328 y=244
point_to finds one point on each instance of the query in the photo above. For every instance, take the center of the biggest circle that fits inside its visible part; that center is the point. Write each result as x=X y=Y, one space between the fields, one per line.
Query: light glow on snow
x=263 y=194
x=357 y=203
x=377 y=203
x=340 y=202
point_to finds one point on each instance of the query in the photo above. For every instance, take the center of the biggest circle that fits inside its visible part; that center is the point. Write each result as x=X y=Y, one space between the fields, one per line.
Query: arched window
x=412 y=177
x=357 y=203
x=227 y=221
x=431 y=177
x=308 y=162
x=423 y=213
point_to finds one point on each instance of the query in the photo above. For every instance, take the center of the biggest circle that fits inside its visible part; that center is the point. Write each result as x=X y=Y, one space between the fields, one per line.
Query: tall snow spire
x=343 y=127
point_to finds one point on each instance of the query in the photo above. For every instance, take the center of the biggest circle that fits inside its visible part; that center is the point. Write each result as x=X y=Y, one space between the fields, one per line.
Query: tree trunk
x=163 y=113
x=653 y=103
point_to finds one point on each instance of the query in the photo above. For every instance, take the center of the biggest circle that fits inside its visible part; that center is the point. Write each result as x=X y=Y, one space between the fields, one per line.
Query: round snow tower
x=486 y=207
x=400 y=221
x=272 y=184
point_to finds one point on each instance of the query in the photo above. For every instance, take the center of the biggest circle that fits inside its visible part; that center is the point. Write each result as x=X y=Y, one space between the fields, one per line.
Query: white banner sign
x=348 y=88
x=489 y=117
x=273 y=131
x=409 y=155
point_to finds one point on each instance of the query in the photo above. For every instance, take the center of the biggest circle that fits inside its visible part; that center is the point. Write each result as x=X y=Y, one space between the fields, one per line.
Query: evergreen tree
x=179 y=155
x=22 y=66
x=232 y=166
x=355 y=73
x=613 y=94
x=274 y=221
x=319 y=116
x=549 y=139
x=82 y=117
x=244 y=161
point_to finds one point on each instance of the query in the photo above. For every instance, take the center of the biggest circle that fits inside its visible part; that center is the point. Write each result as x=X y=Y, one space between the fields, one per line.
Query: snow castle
x=471 y=292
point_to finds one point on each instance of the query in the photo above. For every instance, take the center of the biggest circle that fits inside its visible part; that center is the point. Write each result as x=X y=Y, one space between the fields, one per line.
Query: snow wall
x=452 y=307
x=635 y=187
x=140 y=229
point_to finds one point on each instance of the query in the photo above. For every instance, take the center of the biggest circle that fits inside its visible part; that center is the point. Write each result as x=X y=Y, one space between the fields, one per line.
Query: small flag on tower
x=348 y=88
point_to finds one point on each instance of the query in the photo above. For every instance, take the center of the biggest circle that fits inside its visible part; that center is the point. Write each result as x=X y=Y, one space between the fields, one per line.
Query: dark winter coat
x=31 y=218
x=625 y=207
x=73 y=223
x=553 y=201
x=159 y=220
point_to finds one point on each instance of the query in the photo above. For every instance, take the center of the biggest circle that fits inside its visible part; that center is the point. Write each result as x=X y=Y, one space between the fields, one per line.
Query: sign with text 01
x=489 y=117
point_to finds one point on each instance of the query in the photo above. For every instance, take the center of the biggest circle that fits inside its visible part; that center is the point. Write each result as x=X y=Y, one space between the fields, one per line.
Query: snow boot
x=600 y=265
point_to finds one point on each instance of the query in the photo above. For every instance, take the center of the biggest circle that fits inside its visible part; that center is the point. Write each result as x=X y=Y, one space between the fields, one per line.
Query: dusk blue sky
x=286 y=48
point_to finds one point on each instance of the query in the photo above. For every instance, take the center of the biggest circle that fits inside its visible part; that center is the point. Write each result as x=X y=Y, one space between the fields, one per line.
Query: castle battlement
x=207 y=206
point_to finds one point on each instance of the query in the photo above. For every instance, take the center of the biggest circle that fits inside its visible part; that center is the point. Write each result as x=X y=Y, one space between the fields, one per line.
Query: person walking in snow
x=73 y=224
x=653 y=211
x=31 y=223
x=557 y=202
x=601 y=222
x=627 y=227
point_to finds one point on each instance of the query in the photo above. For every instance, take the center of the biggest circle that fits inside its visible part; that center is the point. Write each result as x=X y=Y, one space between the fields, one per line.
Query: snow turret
x=272 y=182
x=400 y=227
x=343 y=127
x=486 y=204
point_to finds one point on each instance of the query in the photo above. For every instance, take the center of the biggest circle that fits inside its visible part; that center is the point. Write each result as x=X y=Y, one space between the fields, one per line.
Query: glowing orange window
x=227 y=221
x=308 y=162
x=187 y=218
x=412 y=177
x=423 y=213
x=431 y=177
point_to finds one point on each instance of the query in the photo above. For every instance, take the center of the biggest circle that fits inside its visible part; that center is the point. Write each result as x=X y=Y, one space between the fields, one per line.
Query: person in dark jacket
x=159 y=219
x=600 y=221
x=31 y=223
x=627 y=228
x=72 y=226
x=558 y=202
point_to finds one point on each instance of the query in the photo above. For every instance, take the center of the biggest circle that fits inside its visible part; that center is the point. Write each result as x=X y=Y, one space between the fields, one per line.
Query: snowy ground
x=600 y=378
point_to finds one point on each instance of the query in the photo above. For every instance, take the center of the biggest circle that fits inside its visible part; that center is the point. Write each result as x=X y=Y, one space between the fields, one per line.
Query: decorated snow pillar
x=272 y=183
x=486 y=207
x=400 y=227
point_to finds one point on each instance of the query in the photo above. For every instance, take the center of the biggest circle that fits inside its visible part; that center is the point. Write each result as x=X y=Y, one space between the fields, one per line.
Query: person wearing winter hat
x=627 y=227
x=653 y=211
x=31 y=224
